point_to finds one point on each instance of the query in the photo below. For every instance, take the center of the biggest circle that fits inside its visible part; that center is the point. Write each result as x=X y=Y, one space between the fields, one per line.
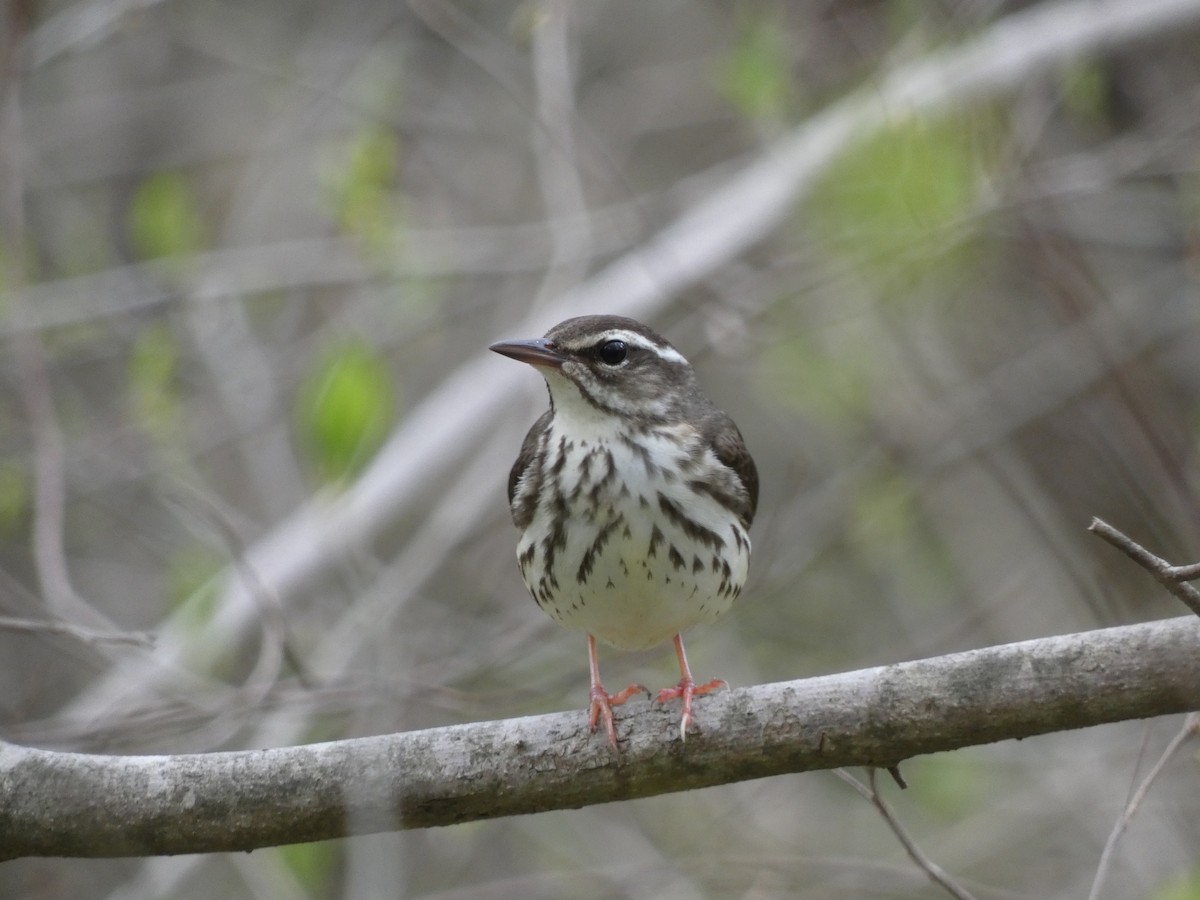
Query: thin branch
x=936 y=873
x=1173 y=578
x=67 y=804
x=1191 y=726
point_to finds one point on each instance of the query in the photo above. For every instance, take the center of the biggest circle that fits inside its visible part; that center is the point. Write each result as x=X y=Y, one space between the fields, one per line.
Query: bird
x=633 y=494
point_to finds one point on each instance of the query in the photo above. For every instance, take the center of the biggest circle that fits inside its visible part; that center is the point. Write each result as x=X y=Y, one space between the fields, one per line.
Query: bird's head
x=610 y=366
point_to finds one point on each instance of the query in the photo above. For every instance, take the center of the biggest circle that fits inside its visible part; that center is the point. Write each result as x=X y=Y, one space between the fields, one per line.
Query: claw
x=601 y=707
x=687 y=689
x=602 y=701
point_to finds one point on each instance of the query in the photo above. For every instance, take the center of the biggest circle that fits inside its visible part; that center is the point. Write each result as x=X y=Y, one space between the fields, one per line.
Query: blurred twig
x=80 y=25
x=558 y=170
x=1191 y=725
x=87 y=635
x=936 y=873
x=48 y=540
x=278 y=642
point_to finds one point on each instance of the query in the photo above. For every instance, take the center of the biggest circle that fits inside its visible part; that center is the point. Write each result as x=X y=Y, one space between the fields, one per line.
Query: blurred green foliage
x=809 y=378
x=191 y=587
x=153 y=366
x=896 y=204
x=1084 y=88
x=363 y=188
x=14 y=496
x=1182 y=887
x=1189 y=201
x=6 y=279
x=345 y=410
x=189 y=572
x=888 y=527
x=756 y=75
x=314 y=864
x=20 y=264
x=950 y=786
x=164 y=218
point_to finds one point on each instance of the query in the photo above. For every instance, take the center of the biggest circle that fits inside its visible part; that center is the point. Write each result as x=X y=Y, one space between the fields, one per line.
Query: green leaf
x=164 y=218
x=345 y=410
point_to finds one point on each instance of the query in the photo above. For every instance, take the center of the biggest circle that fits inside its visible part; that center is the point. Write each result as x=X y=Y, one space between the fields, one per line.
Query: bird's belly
x=634 y=601
x=633 y=575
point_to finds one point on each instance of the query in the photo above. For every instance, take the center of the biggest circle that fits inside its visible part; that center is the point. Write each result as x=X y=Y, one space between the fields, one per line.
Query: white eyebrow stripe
x=670 y=354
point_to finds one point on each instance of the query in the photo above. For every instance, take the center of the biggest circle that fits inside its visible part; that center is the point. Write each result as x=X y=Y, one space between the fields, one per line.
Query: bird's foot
x=687 y=689
x=602 y=704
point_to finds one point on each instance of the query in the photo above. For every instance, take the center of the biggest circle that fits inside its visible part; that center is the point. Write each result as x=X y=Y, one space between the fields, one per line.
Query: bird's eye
x=612 y=353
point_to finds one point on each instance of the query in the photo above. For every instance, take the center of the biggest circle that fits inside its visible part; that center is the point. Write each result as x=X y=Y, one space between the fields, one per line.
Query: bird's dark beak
x=536 y=352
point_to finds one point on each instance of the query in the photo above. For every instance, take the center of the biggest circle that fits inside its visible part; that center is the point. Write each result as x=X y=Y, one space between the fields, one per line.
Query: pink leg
x=602 y=701
x=687 y=688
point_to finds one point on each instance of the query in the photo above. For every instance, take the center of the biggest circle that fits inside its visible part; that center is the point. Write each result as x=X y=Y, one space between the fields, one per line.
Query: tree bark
x=68 y=804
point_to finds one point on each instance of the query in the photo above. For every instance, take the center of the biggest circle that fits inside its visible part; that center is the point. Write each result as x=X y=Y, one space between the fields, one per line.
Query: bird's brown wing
x=731 y=450
x=525 y=459
x=722 y=435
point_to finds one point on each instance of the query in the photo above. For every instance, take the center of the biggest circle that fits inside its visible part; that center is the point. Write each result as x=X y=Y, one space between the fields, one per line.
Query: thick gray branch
x=65 y=804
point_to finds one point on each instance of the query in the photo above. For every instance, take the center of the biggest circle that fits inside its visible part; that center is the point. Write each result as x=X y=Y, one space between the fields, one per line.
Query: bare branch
x=1173 y=578
x=66 y=804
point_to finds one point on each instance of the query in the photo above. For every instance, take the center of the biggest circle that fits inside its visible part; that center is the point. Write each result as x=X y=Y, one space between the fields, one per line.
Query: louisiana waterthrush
x=634 y=495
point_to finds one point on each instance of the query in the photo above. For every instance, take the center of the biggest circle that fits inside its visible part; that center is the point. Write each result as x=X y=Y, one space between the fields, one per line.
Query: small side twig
x=1191 y=726
x=936 y=873
x=79 y=632
x=1173 y=578
x=1186 y=573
